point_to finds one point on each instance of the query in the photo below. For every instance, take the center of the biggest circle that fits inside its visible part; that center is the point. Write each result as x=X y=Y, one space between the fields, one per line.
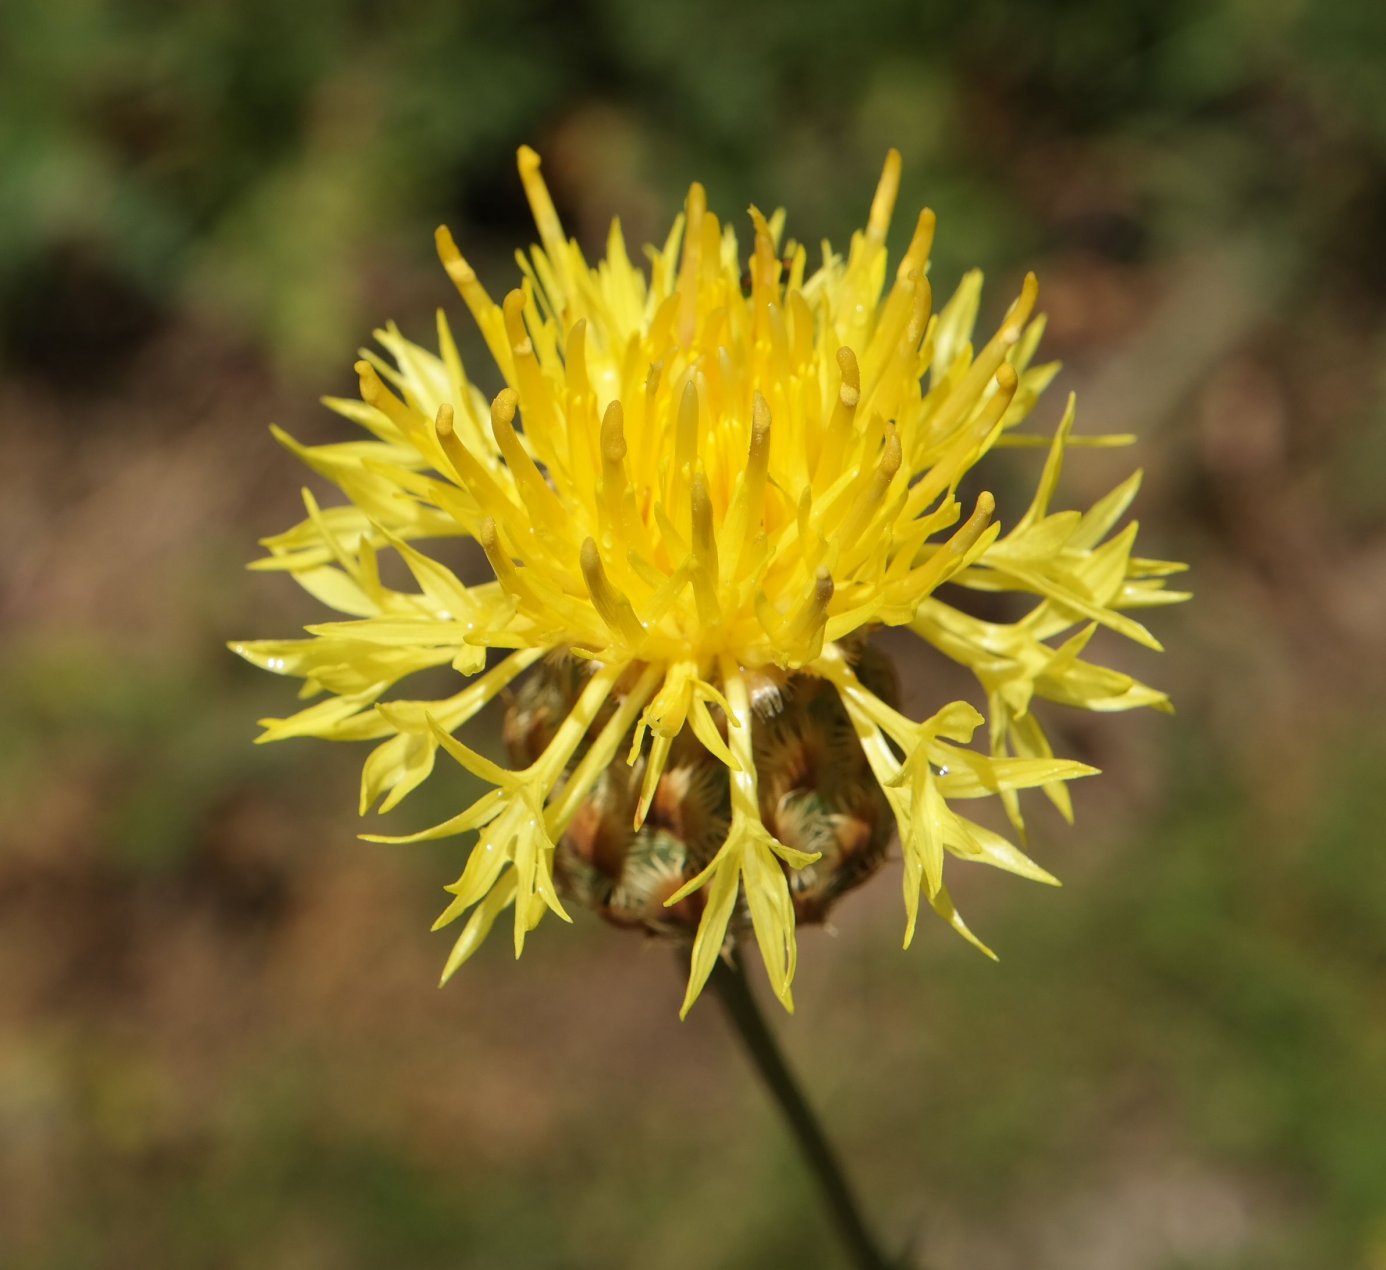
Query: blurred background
x=221 y=1043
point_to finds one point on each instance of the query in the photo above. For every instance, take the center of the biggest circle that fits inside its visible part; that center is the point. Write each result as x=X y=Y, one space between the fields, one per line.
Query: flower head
x=703 y=485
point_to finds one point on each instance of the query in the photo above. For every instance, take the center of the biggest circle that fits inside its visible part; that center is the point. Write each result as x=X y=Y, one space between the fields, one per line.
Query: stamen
x=541 y=410
x=765 y=265
x=872 y=498
x=545 y=217
x=614 y=483
x=749 y=499
x=471 y=475
x=990 y=362
x=534 y=491
x=506 y=573
x=801 y=329
x=575 y=362
x=962 y=541
x=758 y=460
x=917 y=253
x=691 y=266
x=950 y=558
x=919 y=314
x=374 y=393
x=966 y=447
x=704 y=577
x=579 y=409
x=891 y=365
x=483 y=309
x=900 y=327
x=842 y=421
x=644 y=430
x=883 y=203
x=513 y=309
x=443 y=430
x=808 y=624
x=614 y=608
x=686 y=434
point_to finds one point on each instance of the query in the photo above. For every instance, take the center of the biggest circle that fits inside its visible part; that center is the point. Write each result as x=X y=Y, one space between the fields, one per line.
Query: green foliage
x=221 y=1045
x=260 y=163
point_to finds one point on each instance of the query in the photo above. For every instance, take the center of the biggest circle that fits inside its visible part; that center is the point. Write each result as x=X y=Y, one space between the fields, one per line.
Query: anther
x=919 y=313
x=502 y=565
x=965 y=539
x=841 y=421
x=613 y=435
x=850 y=391
x=704 y=575
x=575 y=358
x=917 y=253
x=613 y=607
x=1020 y=310
x=514 y=309
x=503 y=409
x=447 y=438
x=758 y=460
x=614 y=483
x=686 y=437
x=891 y=457
x=807 y=625
x=691 y=264
x=454 y=262
x=883 y=202
x=545 y=217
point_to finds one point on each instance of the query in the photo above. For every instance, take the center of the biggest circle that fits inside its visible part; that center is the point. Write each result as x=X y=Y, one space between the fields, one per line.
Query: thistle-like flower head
x=704 y=483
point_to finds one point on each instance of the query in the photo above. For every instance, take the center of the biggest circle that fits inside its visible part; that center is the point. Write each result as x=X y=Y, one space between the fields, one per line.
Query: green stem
x=729 y=982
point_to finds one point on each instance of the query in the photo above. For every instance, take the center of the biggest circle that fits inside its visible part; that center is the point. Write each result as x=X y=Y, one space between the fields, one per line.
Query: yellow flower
x=703 y=479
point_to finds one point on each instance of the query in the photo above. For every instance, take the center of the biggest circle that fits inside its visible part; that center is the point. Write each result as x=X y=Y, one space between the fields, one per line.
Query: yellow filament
x=921 y=242
x=686 y=434
x=704 y=575
x=614 y=483
x=534 y=491
x=883 y=204
x=962 y=541
x=374 y=393
x=871 y=500
x=472 y=476
x=545 y=217
x=579 y=409
x=748 y=502
x=990 y=362
x=961 y=451
x=613 y=607
x=691 y=266
x=808 y=624
x=483 y=309
x=842 y=421
x=758 y=460
x=506 y=573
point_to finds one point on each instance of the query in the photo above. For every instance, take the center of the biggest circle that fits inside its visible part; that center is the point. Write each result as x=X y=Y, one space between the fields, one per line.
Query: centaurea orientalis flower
x=701 y=488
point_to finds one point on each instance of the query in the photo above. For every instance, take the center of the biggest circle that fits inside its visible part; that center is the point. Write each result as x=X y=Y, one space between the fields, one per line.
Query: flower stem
x=729 y=982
